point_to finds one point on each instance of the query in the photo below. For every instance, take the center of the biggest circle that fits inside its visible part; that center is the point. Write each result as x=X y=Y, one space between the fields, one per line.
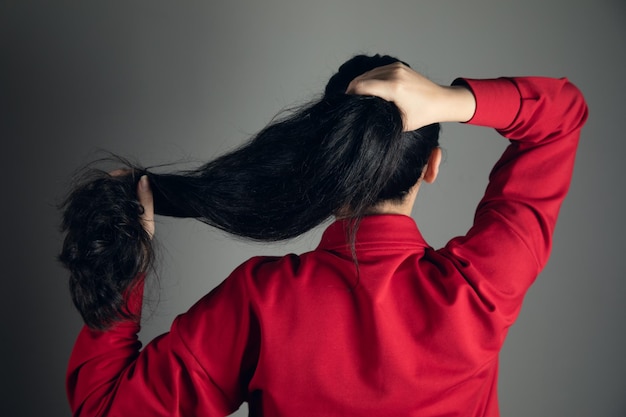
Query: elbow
x=575 y=105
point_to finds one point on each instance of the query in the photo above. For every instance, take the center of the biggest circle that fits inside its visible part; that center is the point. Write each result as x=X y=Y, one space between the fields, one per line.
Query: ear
x=432 y=168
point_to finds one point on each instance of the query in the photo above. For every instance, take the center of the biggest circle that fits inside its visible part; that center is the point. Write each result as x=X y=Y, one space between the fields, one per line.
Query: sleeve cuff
x=497 y=101
x=134 y=298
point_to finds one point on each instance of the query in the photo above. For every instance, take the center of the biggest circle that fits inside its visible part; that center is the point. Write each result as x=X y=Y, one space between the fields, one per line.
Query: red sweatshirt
x=420 y=333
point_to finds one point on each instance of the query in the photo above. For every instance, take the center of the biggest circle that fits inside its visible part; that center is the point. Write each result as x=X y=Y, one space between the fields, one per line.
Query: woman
x=371 y=322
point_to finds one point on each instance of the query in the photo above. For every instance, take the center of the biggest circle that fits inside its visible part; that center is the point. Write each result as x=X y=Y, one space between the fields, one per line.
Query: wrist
x=459 y=104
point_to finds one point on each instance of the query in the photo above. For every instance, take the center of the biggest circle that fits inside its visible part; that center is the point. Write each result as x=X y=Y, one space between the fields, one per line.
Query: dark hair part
x=340 y=153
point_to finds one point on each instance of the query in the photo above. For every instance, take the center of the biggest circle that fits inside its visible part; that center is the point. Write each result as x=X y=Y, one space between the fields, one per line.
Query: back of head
x=414 y=148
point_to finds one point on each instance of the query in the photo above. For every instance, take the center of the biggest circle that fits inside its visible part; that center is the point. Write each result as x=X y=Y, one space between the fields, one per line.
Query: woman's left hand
x=144 y=194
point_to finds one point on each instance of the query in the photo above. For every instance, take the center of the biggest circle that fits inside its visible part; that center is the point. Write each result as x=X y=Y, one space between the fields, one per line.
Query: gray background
x=184 y=81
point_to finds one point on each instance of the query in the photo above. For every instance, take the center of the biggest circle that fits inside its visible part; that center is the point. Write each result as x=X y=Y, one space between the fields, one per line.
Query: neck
x=404 y=206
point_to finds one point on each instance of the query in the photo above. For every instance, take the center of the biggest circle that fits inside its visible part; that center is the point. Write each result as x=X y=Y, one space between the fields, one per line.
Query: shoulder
x=262 y=267
x=265 y=273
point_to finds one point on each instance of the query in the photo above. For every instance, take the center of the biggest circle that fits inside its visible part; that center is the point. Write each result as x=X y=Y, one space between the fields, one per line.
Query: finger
x=369 y=87
x=356 y=86
x=381 y=83
x=144 y=194
x=120 y=172
x=375 y=80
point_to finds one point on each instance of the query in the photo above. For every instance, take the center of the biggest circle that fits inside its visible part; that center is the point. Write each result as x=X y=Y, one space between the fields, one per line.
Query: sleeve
x=199 y=368
x=510 y=240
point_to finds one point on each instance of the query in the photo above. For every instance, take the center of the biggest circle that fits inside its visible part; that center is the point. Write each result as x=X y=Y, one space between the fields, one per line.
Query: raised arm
x=510 y=241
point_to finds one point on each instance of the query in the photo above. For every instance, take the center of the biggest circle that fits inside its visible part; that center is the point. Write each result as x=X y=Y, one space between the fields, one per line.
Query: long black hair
x=341 y=153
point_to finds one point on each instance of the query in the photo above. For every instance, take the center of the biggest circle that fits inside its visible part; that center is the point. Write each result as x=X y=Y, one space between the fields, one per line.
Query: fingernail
x=143 y=182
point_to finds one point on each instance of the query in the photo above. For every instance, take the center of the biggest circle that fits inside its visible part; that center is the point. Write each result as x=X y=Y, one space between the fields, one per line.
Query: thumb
x=144 y=193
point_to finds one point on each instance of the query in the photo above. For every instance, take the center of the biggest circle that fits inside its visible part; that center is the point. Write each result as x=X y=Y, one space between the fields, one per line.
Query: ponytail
x=342 y=153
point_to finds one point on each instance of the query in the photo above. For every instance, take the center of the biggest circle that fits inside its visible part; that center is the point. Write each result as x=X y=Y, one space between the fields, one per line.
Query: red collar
x=378 y=231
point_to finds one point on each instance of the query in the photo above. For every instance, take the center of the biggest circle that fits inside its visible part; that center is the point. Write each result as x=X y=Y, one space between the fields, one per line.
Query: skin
x=145 y=198
x=421 y=101
x=406 y=205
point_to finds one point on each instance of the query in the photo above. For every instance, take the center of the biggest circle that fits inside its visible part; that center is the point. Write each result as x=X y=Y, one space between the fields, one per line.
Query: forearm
x=456 y=104
x=100 y=358
x=528 y=109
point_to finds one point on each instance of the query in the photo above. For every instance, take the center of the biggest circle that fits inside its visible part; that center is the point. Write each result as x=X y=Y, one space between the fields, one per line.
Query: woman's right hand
x=421 y=101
